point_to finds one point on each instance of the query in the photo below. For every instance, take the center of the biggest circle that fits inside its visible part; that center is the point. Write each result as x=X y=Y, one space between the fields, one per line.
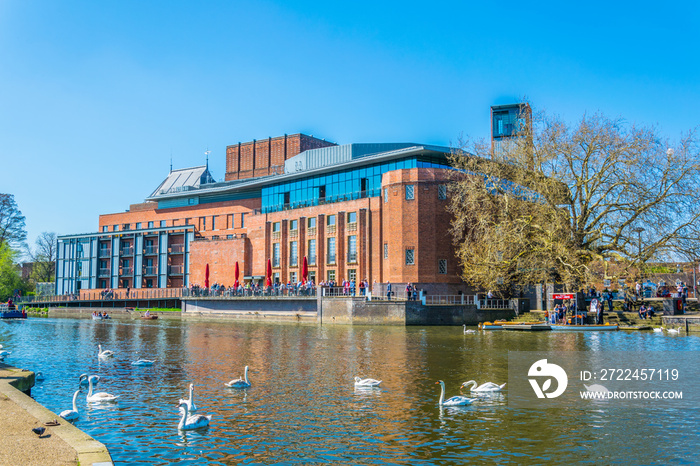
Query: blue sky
x=95 y=96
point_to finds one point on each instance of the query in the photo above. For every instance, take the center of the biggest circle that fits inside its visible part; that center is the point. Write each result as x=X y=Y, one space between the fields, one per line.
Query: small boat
x=498 y=324
x=150 y=317
x=14 y=313
x=527 y=326
x=586 y=328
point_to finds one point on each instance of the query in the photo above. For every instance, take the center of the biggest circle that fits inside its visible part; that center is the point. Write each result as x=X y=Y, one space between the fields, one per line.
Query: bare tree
x=559 y=197
x=12 y=224
x=44 y=257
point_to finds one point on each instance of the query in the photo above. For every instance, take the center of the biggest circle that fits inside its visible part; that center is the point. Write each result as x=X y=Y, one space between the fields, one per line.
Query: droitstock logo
x=541 y=369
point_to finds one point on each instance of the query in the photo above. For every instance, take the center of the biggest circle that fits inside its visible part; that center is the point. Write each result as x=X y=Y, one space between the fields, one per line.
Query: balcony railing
x=126 y=271
x=177 y=248
x=150 y=270
x=176 y=269
x=104 y=252
x=352 y=257
x=330 y=259
x=127 y=251
x=150 y=250
x=103 y=272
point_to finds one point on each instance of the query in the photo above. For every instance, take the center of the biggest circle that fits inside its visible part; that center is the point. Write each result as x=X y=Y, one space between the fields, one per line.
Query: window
x=386 y=250
x=191 y=201
x=352 y=248
x=352 y=274
x=203 y=223
x=138 y=225
x=187 y=221
x=386 y=194
x=293 y=254
x=293 y=224
x=410 y=257
x=213 y=222
x=230 y=221
x=312 y=252
x=104 y=228
x=242 y=220
x=442 y=266
x=312 y=222
x=229 y=236
x=442 y=192
x=115 y=228
x=276 y=227
x=162 y=223
x=150 y=224
x=409 y=192
x=276 y=254
x=127 y=226
x=331 y=275
x=352 y=217
x=276 y=277
x=331 y=251
x=330 y=220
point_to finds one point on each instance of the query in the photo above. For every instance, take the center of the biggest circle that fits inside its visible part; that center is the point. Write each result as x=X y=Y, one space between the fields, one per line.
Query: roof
x=184 y=179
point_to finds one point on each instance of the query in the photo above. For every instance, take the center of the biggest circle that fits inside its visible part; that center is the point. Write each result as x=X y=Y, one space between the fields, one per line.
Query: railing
x=176 y=269
x=456 y=299
x=126 y=271
x=278 y=291
x=176 y=248
x=342 y=292
x=150 y=250
x=104 y=272
x=330 y=230
x=311 y=231
x=276 y=235
x=493 y=303
x=352 y=257
x=127 y=251
x=104 y=252
x=351 y=226
x=150 y=270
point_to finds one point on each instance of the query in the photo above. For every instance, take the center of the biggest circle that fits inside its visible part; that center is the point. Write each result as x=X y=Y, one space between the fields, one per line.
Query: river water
x=303 y=408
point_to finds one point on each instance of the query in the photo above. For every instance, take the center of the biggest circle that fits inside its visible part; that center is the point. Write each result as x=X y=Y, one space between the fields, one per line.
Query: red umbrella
x=304 y=271
x=206 y=277
x=236 y=273
x=269 y=273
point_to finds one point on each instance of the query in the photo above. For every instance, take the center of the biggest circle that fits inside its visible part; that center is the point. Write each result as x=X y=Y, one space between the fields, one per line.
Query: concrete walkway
x=64 y=444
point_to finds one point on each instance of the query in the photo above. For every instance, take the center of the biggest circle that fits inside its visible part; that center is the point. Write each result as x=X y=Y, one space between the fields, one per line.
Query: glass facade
x=339 y=186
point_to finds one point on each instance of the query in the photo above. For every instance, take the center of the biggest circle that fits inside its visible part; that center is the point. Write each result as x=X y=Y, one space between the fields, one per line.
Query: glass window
x=293 y=253
x=242 y=220
x=352 y=217
x=442 y=266
x=138 y=225
x=331 y=275
x=293 y=224
x=409 y=192
x=331 y=251
x=150 y=224
x=409 y=257
x=442 y=192
x=276 y=227
x=352 y=274
x=275 y=254
x=330 y=220
x=386 y=250
x=312 y=222
x=213 y=222
x=386 y=194
x=312 y=252
x=352 y=248
x=104 y=227
x=162 y=223
x=203 y=223
x=115 y=228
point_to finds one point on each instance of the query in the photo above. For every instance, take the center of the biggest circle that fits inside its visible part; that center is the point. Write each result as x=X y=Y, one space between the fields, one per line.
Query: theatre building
x=355 y=211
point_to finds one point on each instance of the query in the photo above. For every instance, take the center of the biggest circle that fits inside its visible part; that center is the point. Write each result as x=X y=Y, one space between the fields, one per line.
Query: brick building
x=355 y=211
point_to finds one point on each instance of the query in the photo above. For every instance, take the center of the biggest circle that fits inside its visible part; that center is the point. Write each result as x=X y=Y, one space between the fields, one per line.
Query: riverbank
x=63 y=444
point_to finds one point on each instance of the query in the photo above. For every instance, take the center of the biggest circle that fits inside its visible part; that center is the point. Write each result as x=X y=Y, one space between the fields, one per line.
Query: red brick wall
x=221 y=256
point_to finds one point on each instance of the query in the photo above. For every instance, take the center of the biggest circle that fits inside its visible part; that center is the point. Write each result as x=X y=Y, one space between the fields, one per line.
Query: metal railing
x=176 y=248
x=104 y=252
x=127 y=251
x=150 y=250
x=126 y=271
x=176 y=269
x=494 y=303
x=150 y=270
x=275 y=291
x=149 y=293
x=104 y=272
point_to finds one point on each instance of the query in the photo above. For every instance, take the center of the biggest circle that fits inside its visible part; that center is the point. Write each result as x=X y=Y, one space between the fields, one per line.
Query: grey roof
x=184 y=179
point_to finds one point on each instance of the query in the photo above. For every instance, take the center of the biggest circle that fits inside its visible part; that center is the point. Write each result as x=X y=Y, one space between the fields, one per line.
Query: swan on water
x=142 y=362
x=670 y=330
x=71 y=414
x=104 y=354
x=364 y=383
x=658 y=329
x=194 y=421
x=189 y=402
x=83 y=379
x=240 y=383
x=469 y=330
x=455 y=400
x=99 y=396
x=485 y=387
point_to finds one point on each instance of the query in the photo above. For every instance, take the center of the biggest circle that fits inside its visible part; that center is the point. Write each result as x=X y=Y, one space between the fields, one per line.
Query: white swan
x=365 y=383
x=485 y=387
x=190 y=402
x=468 y=331
x=670 y=330
x=240 y=383
x=71 y=414
x=83 y=379
x=98 y=397
x=104 y=354
x=143 y=362
x=658 y=329
x=455 y=400
x=194 y=421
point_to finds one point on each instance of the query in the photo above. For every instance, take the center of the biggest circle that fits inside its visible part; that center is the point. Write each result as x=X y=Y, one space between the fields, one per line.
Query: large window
x=410 y=258
x=312 y=252
x=386 y=250
x=293 y=224
x=276 y=227
x=352 y=217
x=293 y=254
x=331 y=251
x=311 y=222
x=242 y=220
x=410 y=192
x=330 y=220
x=352 y=248
x=275 y=254
x=442 y=266
x=442 y=192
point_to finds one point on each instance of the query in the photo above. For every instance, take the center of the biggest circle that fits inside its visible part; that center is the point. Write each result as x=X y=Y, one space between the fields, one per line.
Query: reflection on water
x=303 y=406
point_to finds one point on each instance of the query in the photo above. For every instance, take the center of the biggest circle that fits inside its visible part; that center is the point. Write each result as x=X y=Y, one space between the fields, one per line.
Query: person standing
x=388 y=290
x=610 y=301
x=600 y=313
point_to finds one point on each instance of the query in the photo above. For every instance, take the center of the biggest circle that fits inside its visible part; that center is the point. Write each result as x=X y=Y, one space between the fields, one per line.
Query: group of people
x=560 y=311
x=646 y=311
x=101 y=315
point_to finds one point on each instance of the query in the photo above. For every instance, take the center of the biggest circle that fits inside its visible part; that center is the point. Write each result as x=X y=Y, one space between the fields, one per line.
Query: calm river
x=303 y=407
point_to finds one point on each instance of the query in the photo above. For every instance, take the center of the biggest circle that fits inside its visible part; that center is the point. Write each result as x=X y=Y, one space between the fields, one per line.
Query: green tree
x=10 y=278
x=12 y=222
x=559 y=197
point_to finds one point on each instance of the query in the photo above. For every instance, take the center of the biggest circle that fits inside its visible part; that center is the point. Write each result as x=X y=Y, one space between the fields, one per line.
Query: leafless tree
x=44 y=257
x=12 y=223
